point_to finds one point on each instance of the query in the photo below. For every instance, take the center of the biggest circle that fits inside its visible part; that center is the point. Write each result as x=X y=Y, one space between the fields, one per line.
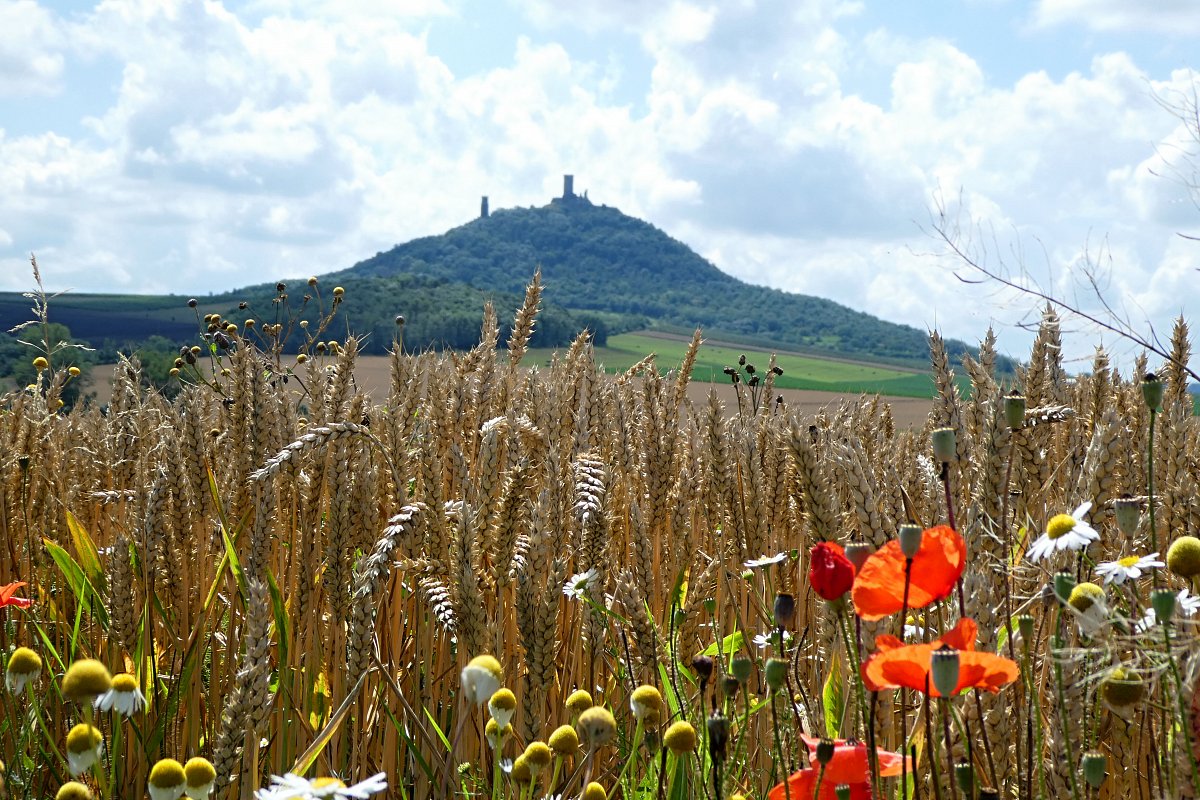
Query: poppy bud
x=1163 y=603
x=858 y=553
x=741 y=668
x=944 y=669
x=718 y=735
x=742 y=360
x=1129 y=514
x=192 y=303
x=842 y=791
x=785 y=609
x=776 y=673
x=1095 y=768
x=703 y=665
x=964 y=776
x=1152 y=391
x=910 y=540
x=1014 y=409
x=825 y=750
x=1064 y=583
x=731 y=687
x=830 y=573
x=279 y=287
x=945 y=445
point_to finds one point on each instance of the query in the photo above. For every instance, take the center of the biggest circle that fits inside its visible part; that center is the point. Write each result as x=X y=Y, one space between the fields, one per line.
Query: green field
x=799 y=372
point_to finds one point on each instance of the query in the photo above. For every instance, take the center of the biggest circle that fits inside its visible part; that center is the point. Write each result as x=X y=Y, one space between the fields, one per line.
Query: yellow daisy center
x=1129 y=561
x=1059 y=525
x=327 y=783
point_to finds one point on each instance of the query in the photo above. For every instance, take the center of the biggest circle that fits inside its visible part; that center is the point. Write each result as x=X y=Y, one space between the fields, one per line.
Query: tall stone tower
x=568 y=187
x=483 y=208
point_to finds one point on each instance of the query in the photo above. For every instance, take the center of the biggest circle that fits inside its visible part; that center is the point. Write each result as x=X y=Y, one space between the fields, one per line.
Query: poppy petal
x=802 y=785
x=879 y=586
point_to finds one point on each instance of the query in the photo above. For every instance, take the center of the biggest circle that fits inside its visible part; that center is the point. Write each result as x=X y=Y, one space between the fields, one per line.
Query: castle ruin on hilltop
x=568 y=196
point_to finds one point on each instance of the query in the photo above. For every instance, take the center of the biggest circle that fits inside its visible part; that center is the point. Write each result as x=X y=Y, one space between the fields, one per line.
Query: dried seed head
x=598 y=726
x=1122 y=688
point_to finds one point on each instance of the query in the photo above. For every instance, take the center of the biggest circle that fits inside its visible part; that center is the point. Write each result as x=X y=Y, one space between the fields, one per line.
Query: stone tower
x=568 y=187
x=483 y=208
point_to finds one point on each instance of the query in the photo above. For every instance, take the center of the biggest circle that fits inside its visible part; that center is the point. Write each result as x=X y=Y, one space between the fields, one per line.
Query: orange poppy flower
x=6 y=596
x=802 y=785
x=895 y=664
x=879 y=586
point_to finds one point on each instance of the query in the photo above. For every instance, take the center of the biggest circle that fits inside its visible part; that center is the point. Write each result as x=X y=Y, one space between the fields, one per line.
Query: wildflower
x=7 y=598
x=167 y=780
x=1183 y=557
x=830 y=573
x=765 y=561
x=291 y=786
x=86 y=680
x=1088 y=601
x=914 y=626
x=520 y=771
x=579 y=701
x=595 y=791
x=680 y=738
x=73 y=790
x=538 y=755
x=1064 y=532
x=578 y=584
x=644 y=700
x=495 y=733
x=124 y=696
x=895 y=664
x=598 y=725
x=564 y=740
x=23 y=666
x=935 y=569
x=1186 y=604
x=199 y=776
x=40 y=363
x=502 y=706
x=481 y=678
x=85 y=746
x=1127 y=568
x=768 y=638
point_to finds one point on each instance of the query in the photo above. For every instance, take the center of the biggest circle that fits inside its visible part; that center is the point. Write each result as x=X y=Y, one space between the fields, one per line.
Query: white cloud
x=31 y=60
x=1175 y=17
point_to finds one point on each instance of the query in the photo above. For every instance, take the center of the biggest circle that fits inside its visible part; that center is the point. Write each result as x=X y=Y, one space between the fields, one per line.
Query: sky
x=816 y=146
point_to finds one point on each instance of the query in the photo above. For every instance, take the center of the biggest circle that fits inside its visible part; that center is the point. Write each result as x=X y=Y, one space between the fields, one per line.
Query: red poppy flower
x=849 y=763
x=879 y=586
x=829 y=571
x=802 y=785
x=7 y=599
x=895 y=664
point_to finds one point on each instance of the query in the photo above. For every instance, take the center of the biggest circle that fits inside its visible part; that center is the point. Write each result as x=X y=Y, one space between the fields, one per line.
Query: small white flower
x=124 y=696
x=1064 y=532
x=1128 y=568
x=579 y=584
x=768 y=638
x=290 y=786
x=1186 y=604
x=765 y=561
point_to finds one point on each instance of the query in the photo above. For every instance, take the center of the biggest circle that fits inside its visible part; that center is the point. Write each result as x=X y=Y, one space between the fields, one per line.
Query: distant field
x=799 y=372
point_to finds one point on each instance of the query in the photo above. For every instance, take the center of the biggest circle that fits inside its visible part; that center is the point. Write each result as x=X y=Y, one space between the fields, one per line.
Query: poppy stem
x=942 y=704
x=904 y=692
x=861 y=695
x=962 y=602
x=933 y=776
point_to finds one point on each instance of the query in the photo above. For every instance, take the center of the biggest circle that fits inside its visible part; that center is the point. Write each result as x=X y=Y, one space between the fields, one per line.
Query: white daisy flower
x=1127 y=568
x=23 y=666
x=124 y=696
x=768 y=638
x=765 y=561
x=291 y=786
x=85 y=747
x=1186 y=604
x=1064 y=532
x=579 y=584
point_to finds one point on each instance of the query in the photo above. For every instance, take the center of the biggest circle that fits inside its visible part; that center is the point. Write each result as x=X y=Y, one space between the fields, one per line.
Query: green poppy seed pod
x=785 y=609
x=1095 y=768
x=718 y=736
x=858 y=553
x=1014 y=409
x=1025 y=626
x=741 y=668
x=945 y=445
x=825 y=751
x=1129 y=514
x=964 y=776
x=910 y=540
x=776 y=673
x=1163 y=603
x=944 y=669
x=1064 y=583
x=1152 y=391
x=842 y=791
x=703 y=665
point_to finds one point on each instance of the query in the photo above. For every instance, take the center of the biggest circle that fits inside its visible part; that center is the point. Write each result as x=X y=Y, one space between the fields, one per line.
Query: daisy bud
x=944 y=670
x=494 y=733
x=842 y=791
x=1183 y=557
x=595 y=791
x=598 y=725
x=23 y=666
x=1163 y=603
x=1095 y=768
x=579 y=701
x=703 y=665
x=1014 y=409
x=825 y=751
x=539 y=756
x=167 y=780
x=741 y=668
x=85 y=746
x=1064 y=582
x=1085 y=595
x=564 y=740
x=520 y=770
x=776 y=673
x=199 y=775
x=502 y=705
x=964 y=776
x=86 y=680
x=858 y=553
x=1152 y=391
x=785 y=609
x=945 y=445
x=645 y=699
x=40 y=363
x=1129 y=514
x=1025 y=626
x=73 y=790
x=680 y=738
x=910 y=540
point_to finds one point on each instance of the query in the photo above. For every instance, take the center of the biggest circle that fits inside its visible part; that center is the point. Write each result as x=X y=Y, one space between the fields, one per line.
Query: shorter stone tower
x=483 y=208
